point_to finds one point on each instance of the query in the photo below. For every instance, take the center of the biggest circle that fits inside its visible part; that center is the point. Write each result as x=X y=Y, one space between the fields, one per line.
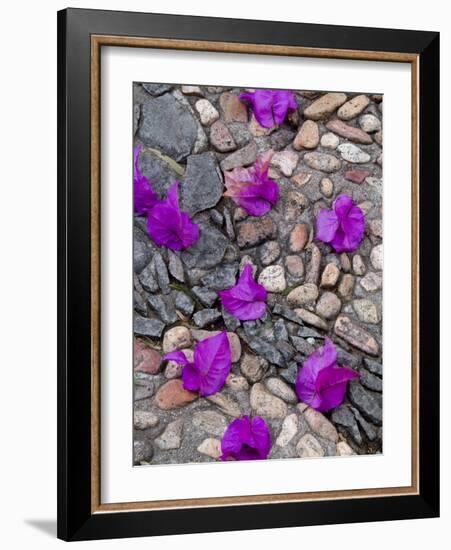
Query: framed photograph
x=248 y=274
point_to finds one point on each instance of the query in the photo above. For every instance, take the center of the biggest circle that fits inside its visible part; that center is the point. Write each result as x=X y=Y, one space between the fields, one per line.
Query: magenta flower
x=144 y=196
x=169 y=226
x=246 y=439
x=211 y=365
x=270 y=107
x=341 y=227
x=321 y=383
x=247 y=299
x=251 y=188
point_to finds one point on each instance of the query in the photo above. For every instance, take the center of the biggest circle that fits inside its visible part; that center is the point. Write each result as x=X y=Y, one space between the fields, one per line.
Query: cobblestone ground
x=330 y=146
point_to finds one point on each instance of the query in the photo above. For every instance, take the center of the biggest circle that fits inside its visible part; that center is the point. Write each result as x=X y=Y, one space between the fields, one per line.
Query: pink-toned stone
x=251 y=233
x=321 y=425
x=355 y=335
x=146 y=359
x=285 y=161
x=307 y=137
x=356 y=176
x=221 y=138
x=301 y=178
x=299 y=237
x=349 y=132
x=294 y=265
x=324 y=105
x=172 y=395
x=234 y=110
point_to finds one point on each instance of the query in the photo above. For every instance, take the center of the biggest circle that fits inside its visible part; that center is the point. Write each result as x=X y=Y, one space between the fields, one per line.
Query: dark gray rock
x=222 y=277
x=216 y=217
x=350 y=359
x=302 y=345
x=289 y=373
x=175 y=266
x=286 y=349
x=184 y=303
x=147 y=327
x=168 y=125
x=202 y=186
x=156 y=89
x=368 y=428
x=365 y=402
x=136 y=115
x=231 y=322
x=204 y=317
x=161 y=273
x=281 y=138
x=243 y=157
x=139 y=304
x=264 y=349
x=164 y=306
x=206 y=296
x=370 y=381
x=160 y=170
x=230 y=230
x=280 y=330
x=142 y=250
x=342 y=416
x=148 y=279
x=288 y=313
x=373 y=366
x=307 y=332
x=209 y=249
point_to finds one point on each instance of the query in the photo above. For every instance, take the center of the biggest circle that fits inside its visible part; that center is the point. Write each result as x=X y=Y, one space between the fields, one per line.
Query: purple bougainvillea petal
x=327 y=224
x=191 y=377
x=251 y=188
x=270 y=107
x=320 y=382
x=177 y=356
x=343 y=227
x=212 y=360
x=143 y=194
x=246 y=439
x=331 y=385
x=247 y=299
x=169 y=226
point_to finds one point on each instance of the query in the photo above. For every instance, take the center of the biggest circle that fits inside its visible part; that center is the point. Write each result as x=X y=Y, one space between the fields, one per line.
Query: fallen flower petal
x=246 y=300
x=251 y=188
x=320 y=382
x=342 y=227
x=169 y=226
x=246 y=439
x=270 y=107
x=210 y=367
x=144 y=196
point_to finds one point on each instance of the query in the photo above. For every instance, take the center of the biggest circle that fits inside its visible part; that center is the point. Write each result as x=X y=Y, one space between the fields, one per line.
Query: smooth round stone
x=328 y=305
x=325 y=105
x=309 y=447
x=358 y=265
x=307 y=137
x=343 y=449
x=377 y=257
x=353 y=107
x=142 y=451
x=280 y=389
x=322 y=161
x=285 y=161
x=330 y=141
x=210 y=421
x=346 y=285
x=273 y=278
x=330 y=276
x=171 y=438
x=253 y=367
x=294 y=265
x=369 y=123
x=176 y=338
x=221 y=138
x=144 y=419
x=208 y=114
x=210 y=447
x=289 y=429
x=371 y=282
x=266 y=404
x=299 y=237
x=327 y=187
x=172 y=395
x=366 y=311
x=303 y=294
x=352 y=153
x=269 y=252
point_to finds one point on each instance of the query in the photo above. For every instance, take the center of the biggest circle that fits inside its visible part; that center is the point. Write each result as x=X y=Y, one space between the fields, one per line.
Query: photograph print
x=258 y=269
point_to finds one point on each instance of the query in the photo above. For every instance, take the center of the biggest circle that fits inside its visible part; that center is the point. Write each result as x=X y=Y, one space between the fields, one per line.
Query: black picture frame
x=76 y=520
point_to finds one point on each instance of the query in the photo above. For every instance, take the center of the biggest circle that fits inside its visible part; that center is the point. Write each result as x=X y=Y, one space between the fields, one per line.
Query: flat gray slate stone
x=169 y=126
x=202 y=186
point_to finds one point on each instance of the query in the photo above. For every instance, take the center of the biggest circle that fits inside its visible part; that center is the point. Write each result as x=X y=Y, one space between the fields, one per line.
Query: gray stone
x=302 y=345
x=230 y=230
x=309 y=447
x=373 y=366
x=147 y=278
x=210 y=447
x=366 y=311
x=205 y=317
x=142 y=451
x=169 y=126
x=139 y=304
x=208 y=250
x=328 y=305
x=161 y=273
x=369 y=429
x=202 y=186
x=280 y=331
x=156 y=89
x=175 y=266
x=288 y=313
x=265 y=404
x=206 y=296
x=280 y=389
x=281 y=138
x=164 y=306
x=210 y=421
x=352 y=153
x=370 y=381
x=171 y=438
x=322 y=161
x=243 y=157
x=253 y=367
x=184 y=303
x=290 y=373
x=147 y=327
x=144 y=419
x=231 y=322
x=222 y=277
x=371 y=282
x=160 y=170
x=365 y=402
x=269 y=252
x=369 y=123
x=142 y=249
x=266 y=350
x=342 y=416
